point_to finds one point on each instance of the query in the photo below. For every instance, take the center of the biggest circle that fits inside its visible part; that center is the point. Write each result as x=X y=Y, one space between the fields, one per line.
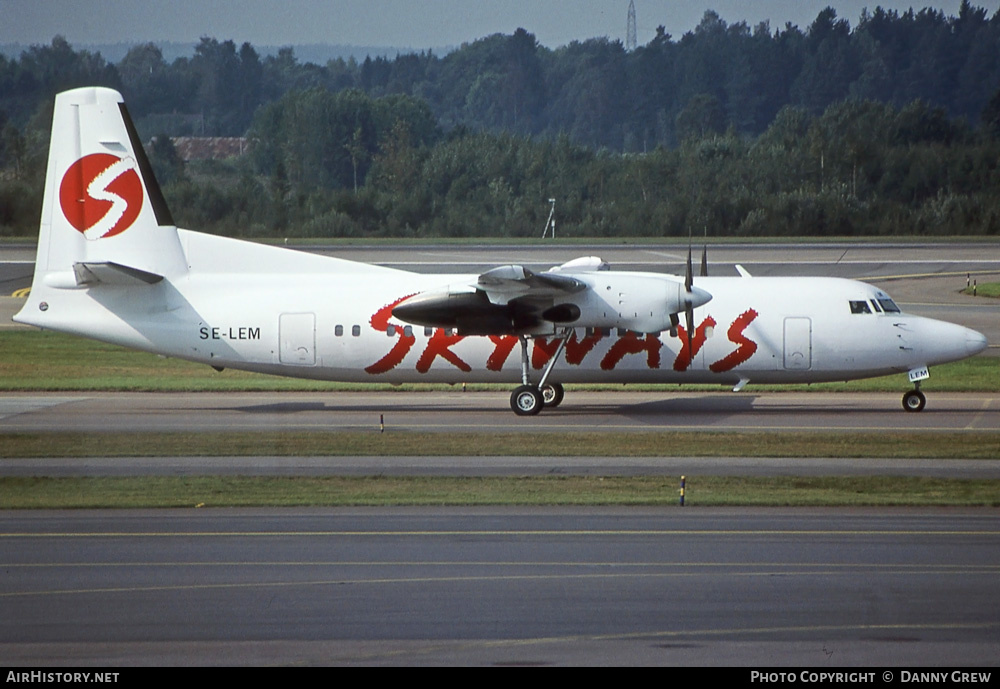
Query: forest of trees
x=889 y=127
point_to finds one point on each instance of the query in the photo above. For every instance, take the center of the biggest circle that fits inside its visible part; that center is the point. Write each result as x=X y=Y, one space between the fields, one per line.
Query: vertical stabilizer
x=102 y=205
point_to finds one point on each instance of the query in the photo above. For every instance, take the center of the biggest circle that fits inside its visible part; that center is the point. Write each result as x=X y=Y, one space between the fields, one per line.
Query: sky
x=415 y=24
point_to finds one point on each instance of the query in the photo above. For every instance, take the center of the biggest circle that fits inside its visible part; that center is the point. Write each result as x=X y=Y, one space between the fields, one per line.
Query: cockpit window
x=860 y=307
x=878 y=309
x=888 y=305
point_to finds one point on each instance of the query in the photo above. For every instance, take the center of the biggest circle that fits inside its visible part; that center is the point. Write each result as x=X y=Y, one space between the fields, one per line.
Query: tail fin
x=103 y=213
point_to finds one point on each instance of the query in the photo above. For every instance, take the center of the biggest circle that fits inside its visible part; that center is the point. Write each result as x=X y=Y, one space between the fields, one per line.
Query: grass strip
x=335 y=491
x=987 y=289
x=804 y=444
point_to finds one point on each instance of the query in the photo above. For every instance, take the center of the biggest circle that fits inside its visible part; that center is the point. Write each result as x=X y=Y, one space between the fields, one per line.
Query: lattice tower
x=630 y=40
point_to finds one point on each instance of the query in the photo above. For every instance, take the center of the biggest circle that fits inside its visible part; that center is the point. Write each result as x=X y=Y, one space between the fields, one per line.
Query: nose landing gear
x=914 y=400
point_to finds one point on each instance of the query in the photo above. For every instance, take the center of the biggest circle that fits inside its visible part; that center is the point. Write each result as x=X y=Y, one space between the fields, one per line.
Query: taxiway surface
x=496 y=586
x=455 y=411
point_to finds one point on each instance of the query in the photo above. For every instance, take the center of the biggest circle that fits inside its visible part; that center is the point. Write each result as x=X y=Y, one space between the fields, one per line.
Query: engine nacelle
x=643 y=302
x=468 y=311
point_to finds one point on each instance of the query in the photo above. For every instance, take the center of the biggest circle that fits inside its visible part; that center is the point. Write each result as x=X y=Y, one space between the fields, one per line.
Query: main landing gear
x=528 y=399
x=914 y=400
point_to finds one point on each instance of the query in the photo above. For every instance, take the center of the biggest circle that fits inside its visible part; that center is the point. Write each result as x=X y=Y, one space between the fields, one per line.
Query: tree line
x=889 y=128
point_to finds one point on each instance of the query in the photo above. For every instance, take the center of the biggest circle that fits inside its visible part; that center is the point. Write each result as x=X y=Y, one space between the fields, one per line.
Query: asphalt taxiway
x=498 y=586
x=455 y=411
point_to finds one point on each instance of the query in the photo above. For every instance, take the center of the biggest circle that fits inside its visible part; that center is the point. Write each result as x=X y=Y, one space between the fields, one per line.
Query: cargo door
x=297 y=338
x=798 y=344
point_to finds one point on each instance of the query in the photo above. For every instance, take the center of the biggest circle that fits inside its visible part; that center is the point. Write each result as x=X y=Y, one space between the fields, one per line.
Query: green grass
x=244 y=491
x=46 y=361
x=638 y=443
x=987 y=289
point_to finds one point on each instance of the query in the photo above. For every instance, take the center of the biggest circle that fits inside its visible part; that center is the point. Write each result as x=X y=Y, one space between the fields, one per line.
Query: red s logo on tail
x=101 y=195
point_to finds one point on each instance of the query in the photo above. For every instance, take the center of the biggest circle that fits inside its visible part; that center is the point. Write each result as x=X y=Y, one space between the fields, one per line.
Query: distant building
x=209 y=147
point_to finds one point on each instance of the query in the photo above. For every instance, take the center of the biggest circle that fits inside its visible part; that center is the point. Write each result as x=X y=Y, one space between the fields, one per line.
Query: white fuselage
x=289 y=313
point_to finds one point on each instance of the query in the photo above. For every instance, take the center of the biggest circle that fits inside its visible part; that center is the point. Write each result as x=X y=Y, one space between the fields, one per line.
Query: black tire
x=552 y=395
x=526 y=400
x=914 y=400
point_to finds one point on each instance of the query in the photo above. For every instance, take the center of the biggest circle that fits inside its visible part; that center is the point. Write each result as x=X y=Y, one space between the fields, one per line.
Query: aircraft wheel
x=914 y=400
x=552 y=395
x=526 y=401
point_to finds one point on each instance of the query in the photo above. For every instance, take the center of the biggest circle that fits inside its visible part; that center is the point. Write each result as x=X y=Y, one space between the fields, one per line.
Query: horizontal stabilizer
x=108 y=273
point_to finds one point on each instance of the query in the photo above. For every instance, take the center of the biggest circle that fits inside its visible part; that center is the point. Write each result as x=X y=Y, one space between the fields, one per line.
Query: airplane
x=113 y=266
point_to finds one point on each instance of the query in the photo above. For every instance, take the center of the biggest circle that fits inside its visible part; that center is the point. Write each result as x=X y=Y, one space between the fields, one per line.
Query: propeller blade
x=689 y=275
x=688 y=306
x=689 y=320
x=694 y=296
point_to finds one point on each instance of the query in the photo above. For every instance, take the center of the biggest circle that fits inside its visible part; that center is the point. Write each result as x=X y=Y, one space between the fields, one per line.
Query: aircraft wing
x=506 y=283
x=504 y=300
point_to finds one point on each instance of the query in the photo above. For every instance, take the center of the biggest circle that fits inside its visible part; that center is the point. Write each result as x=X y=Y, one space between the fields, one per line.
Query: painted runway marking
x=751 y=573
x=501 y=532
x=341 y=581
x=416 y=425
x=978 y=418
x=617 y=564
x=12 y=406
x=687 y=633
x=913 y=276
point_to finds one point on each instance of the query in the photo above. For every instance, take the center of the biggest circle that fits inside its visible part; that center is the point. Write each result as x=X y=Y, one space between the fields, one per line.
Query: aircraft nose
x=975 y=342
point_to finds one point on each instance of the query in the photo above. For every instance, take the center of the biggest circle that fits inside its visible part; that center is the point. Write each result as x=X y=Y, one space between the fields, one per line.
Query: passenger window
x=390 y=330
x=338 y=330
x=860 y=307
x=408 y=330
x=428 y=331
x=356 y=330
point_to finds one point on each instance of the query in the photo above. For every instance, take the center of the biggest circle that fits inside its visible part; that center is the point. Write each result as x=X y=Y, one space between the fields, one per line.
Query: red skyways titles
x=441 y=342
